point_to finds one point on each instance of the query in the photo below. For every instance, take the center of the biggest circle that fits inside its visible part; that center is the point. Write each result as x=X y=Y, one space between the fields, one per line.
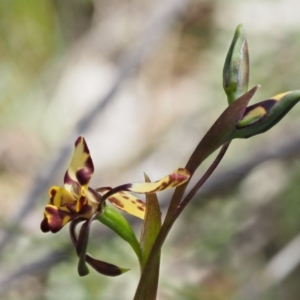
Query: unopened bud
x=236 y=67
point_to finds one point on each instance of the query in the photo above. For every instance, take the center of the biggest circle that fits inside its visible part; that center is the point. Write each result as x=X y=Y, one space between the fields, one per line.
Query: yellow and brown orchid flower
x=76 y=199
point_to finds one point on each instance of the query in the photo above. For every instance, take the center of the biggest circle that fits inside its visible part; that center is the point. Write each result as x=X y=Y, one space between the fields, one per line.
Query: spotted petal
x=81 y=168
x=54 y=219
x=132 y=205
x=178 y=177
x=59 y=196
x=126 y=202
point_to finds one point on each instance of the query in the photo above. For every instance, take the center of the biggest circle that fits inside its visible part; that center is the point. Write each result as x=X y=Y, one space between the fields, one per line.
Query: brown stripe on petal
x=85 y=147
x=67 y=179
x=164 y=185
x=89 y=164
x=55 y=219
x=141 y=208
x=116 y=202
x=78 y=141
x=81 y=203
x=52 y=193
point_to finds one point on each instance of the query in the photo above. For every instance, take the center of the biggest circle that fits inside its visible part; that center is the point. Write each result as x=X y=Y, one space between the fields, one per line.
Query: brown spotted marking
x=141 y=208
x=83 y=176
x=78 y=141
x=117 y=202
x=52 y=194
x=85 y=147
x=54 y=220
x=89 y=164
x=81 y=203
x=67 y=179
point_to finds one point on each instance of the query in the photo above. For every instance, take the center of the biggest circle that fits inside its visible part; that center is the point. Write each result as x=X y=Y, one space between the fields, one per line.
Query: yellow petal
x=54 y=219
x=126 y=202
x=178 y=177
x=129 y=203
x=81 y=168
x=59 y=196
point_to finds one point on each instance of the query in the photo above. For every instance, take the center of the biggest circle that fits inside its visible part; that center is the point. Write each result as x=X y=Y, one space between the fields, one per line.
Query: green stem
x=152 y=260
x=174 y=211
x=204 y=178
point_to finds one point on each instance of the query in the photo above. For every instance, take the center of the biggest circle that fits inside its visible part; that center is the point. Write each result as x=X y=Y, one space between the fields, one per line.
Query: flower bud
x=236 y=67
x=262 y=116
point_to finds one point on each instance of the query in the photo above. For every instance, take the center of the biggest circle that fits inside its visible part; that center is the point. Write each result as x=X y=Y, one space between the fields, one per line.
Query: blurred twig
x=162 y=19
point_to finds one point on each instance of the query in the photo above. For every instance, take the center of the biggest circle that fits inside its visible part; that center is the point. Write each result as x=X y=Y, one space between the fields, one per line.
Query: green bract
x=115 y=221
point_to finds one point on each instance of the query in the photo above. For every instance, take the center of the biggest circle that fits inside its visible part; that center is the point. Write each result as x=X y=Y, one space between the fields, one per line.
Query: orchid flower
x=76 y=199
x=76 y=202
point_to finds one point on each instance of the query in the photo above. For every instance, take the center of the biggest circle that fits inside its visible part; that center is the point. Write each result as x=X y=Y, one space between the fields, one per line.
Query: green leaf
x=150 y=230
x=262 y=116
x=236 y=67
x=221 y=131
x=115 y=221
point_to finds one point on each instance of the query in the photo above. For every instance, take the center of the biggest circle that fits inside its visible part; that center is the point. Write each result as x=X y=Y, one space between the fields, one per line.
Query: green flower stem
x=236 y=78
x=204 y=178
x=172 y=215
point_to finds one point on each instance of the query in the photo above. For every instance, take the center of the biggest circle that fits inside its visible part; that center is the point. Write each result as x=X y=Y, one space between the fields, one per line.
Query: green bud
x=262 y=116
x=115 y=221
x=236 y=67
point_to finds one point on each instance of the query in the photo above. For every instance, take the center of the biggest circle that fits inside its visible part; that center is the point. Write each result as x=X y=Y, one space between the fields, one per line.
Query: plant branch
x=204 y=178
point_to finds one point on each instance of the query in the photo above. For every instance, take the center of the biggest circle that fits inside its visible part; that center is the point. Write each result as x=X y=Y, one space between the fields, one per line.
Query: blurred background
x=142 y=81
